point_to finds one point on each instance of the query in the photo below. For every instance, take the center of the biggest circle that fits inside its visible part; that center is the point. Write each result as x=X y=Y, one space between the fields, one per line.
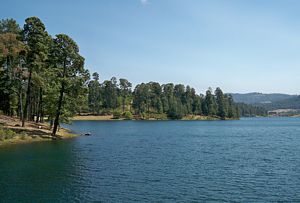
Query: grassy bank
x=11 y=131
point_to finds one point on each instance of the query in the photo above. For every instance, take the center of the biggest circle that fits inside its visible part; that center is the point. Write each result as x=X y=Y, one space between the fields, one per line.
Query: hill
x=291 y=103
x=260 y=98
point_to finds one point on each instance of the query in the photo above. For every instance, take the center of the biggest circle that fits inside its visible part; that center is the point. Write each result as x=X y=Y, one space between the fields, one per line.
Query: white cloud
x=144 y=2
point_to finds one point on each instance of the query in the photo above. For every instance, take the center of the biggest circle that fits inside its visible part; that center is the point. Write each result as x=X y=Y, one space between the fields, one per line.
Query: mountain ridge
x=260 y=98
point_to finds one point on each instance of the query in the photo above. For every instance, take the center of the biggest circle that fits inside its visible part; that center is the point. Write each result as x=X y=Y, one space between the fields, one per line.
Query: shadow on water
x=43 y=172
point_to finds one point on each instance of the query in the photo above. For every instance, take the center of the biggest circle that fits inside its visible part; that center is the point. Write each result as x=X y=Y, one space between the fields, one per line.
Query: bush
x=6 y=134
x=161 y=116
x=106 y=112
x=143 y=115
x=175 y=114
x=117 y=114
x=23 y=135
x=2 y=134
x=128 y=115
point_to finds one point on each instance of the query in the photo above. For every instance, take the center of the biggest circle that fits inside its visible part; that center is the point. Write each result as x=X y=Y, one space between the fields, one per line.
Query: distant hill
x=291 y=103
x=260 y=98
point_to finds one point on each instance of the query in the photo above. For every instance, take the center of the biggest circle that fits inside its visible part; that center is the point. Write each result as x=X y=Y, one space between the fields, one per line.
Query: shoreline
x=110 y=118
x=12 y=133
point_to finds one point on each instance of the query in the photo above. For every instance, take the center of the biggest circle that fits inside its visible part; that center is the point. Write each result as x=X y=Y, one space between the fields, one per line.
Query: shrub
x=117 y=114
x=143 y=115
x=10 y=134
x=2 y=134
x=6 y=134
x=161 y=116
x=128 y=115
x=23 y=135
x=175 y=115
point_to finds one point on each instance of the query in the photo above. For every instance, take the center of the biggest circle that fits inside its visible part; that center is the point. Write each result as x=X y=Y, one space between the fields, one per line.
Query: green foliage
x=12 y=52
x=247 y=110
x=117 y=114
x=110 y=93
x=37 y=41
x=125 y=91
x=209 y=105
x=71 y=76
x=178 y=101
x=94 y=94
x=9 y=26
x=175 y=111
x=222 y=110
x=290 y=103
x=128 y=115
x=6 y=134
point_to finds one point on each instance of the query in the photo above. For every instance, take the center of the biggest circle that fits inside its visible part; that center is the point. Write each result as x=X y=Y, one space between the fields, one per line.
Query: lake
x=250 y=160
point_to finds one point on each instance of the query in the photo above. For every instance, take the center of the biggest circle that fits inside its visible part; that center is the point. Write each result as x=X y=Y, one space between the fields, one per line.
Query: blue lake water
x=250 y=160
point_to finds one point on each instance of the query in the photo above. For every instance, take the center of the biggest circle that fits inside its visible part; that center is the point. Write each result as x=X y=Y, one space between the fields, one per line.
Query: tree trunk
x=58 y=111
x=37 y=109
x=59 y=105
x=21 y=104
x=31 y=108
x=27 y=99
x=41 y=107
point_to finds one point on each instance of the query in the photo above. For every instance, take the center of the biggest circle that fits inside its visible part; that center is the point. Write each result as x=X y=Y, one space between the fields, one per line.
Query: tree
x=9 y=26
x=36 y=38
x=176 y=110
x=71 y=76
x=110 y=93
x=155 y=93
x=209 y=105
x=125 y=91
x=220 y=99
x=167 y=96
x=12 y=51
x=141 y=97
x=94 y=95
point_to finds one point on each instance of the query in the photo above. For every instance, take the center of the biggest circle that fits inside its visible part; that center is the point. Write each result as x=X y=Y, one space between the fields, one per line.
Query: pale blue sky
x=241 y=46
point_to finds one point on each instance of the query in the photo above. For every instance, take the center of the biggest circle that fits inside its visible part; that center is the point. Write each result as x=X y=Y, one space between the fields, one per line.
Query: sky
x=240 y=46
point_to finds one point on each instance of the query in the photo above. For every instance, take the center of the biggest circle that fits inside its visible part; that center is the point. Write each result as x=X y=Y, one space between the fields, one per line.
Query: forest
x=152 y=100
x=44 y=77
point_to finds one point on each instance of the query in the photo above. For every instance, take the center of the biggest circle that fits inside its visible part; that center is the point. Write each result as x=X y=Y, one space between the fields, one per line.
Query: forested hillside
x=248 y=110
x=258 y=98
x=291 y=103
x=267 y=101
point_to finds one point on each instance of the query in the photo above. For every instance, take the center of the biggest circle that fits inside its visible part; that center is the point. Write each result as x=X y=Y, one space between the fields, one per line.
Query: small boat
x=87 y=134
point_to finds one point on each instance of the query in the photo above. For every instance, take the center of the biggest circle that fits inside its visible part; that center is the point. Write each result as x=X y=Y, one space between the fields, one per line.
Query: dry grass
x=93 y=118
x=32 y=132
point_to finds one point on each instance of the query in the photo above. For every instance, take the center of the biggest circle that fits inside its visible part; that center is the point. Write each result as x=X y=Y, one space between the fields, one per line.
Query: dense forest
x=247 y=110
x=152 y=100
x=44 y=77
